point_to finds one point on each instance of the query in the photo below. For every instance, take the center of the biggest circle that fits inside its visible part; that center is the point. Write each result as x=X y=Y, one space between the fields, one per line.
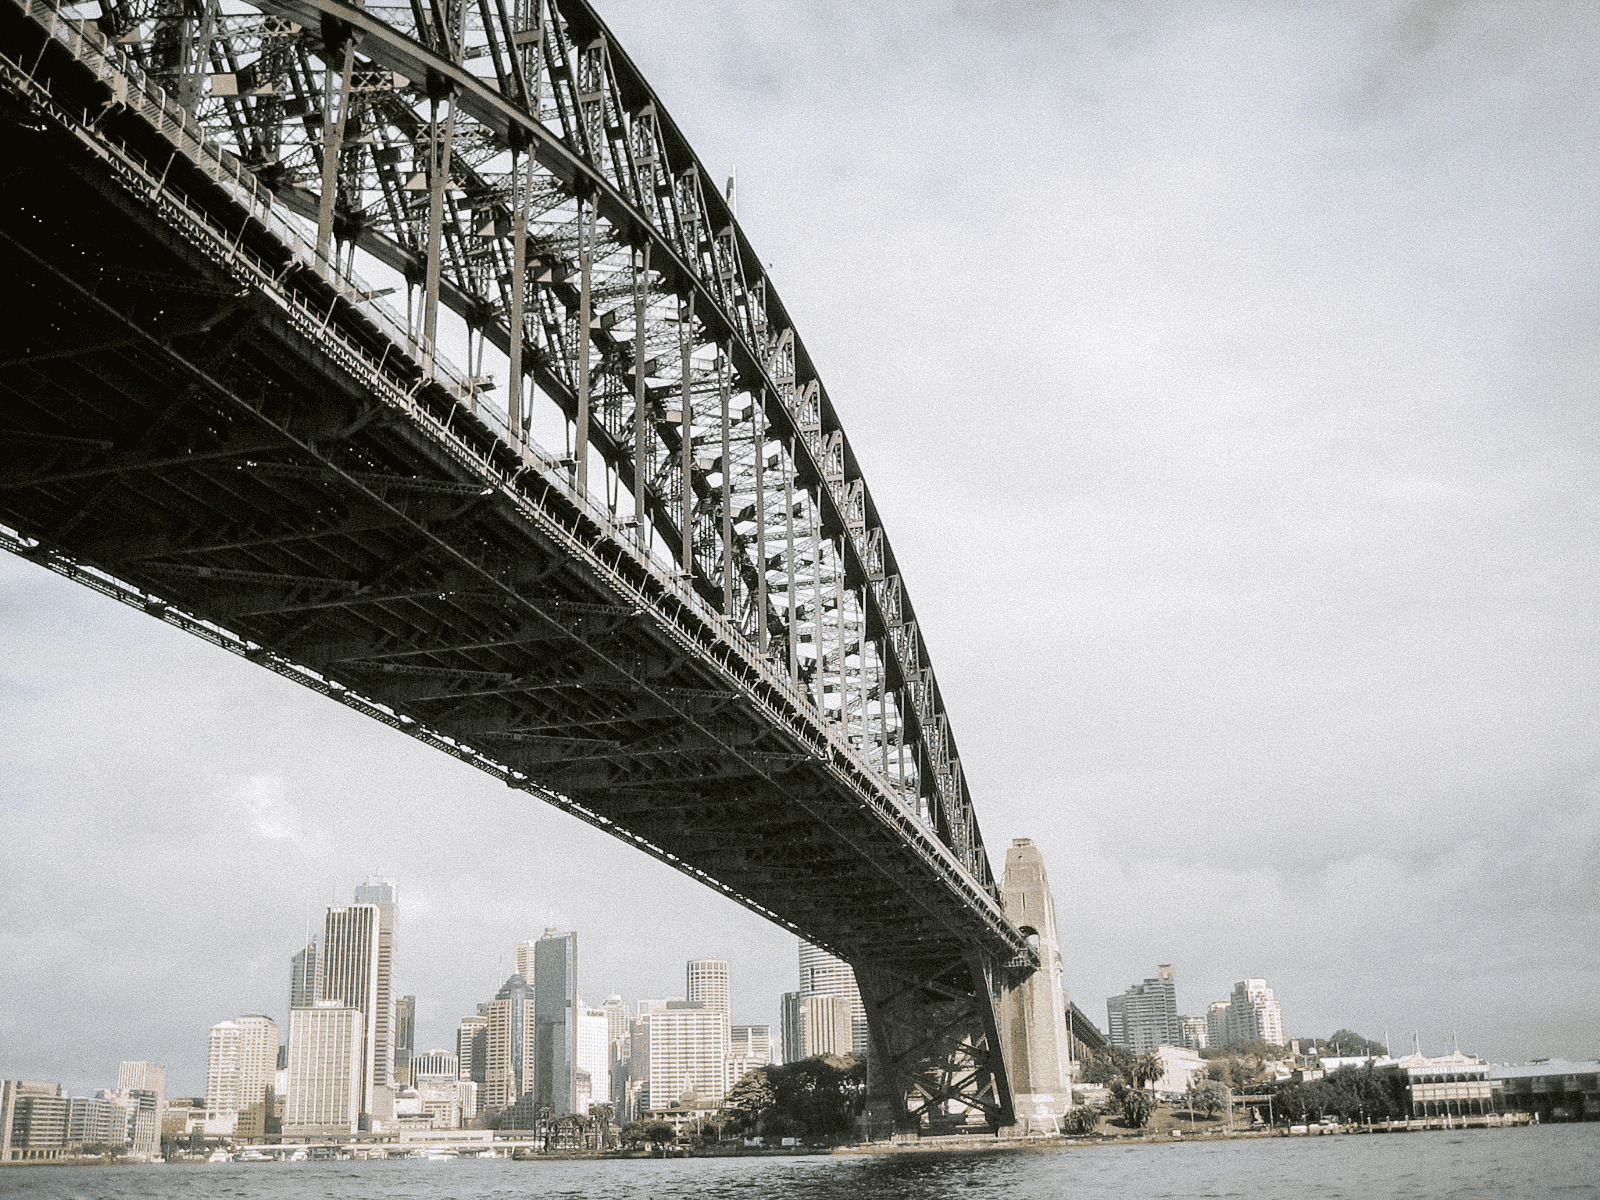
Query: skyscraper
x=816 y=1025
x=1146 y=1015
x=522 y=956
x=509 y=1045
x=381 y=1019
x=555 y=1004
x=303 y=977
x=823 y=974
x=349 y=968
x=707 y=983
x=685 y=1055
x=405 y=1032
x=592 y=1077
x=472 y=1053
x=1217 y=1024
x=328 y=1064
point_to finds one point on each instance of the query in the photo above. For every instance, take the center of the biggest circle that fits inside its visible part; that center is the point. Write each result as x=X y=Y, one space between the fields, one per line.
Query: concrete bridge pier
x=1032 y=1008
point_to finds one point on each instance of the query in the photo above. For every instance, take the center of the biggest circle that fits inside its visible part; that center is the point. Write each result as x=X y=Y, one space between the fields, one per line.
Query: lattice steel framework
x=508 y=168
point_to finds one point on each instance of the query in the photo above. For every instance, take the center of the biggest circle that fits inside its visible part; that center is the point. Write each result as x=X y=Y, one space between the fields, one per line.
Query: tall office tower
x=1217 y=1024
x=508 y=1045
x=814 y=1025
x=685 y=1056
x=1195 y=1033
x=382 y=1019
x=405 y=1034
x=708 y=983
x=751 y=1042
x=617 y=1018
x=1146 y=1015
x=328 y=1066
x=592 y=1057
x=241 y=1061
x=348 y=972
x=555 y=1006
x=303 y=977
x=822 y=974
x=1253 y=1014
x=150 y=1078
x=472 y=1053
x=522 y=956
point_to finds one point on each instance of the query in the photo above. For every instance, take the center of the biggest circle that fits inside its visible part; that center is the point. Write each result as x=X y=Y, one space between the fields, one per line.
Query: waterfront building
x=685 y=1056
x=33 y=1121
x=328 y=1064
x=1556 y=1090
x=1180 y=1067
x=1146 y=1015
x=303 y=977
x=1195 y=1032
x=707 y=983
x=814 y=1025
x=555 y=1005
x=1253 y=1015
x=824 y=974
x=241 y=1061
x=151 y=1079
x=508 y=1045
x=1451 y=1085
x=103 y=1119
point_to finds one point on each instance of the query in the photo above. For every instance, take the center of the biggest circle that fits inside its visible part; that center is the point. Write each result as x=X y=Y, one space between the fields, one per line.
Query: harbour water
x=1544 y=1161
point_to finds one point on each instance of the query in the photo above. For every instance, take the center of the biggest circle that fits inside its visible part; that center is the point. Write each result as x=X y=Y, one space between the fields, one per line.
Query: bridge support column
x=935 y=1056
x=1032 y=1010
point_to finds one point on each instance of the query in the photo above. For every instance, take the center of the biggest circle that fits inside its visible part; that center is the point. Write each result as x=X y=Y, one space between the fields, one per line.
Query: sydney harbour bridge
x=409 y=351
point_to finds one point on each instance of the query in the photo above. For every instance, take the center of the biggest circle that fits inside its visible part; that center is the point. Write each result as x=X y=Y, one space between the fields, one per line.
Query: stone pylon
x=1032 y=1016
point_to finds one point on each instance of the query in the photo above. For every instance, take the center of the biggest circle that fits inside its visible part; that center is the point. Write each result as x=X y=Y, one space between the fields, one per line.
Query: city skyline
x=1285 y=490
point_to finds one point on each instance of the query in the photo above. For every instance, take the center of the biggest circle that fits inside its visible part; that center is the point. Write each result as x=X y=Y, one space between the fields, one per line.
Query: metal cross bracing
x=685 y=624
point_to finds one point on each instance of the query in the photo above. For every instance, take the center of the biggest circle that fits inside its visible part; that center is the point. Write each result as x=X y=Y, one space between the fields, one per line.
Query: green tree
x=1107 y=1064
x=1147 y=1068
x=658 y=1133
x=631 y=1134
x=1081 y=1119
x=815 y=1097
x=1136 y=1107
x=748 y=1103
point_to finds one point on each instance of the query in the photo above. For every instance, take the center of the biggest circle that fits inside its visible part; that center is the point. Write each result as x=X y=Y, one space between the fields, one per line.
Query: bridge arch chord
x=506 y=162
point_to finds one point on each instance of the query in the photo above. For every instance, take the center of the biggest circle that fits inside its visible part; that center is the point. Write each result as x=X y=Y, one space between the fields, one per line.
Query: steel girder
x=353 y=512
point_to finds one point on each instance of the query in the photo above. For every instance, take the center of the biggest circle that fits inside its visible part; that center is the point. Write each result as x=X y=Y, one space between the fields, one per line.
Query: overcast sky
x=1226 y=375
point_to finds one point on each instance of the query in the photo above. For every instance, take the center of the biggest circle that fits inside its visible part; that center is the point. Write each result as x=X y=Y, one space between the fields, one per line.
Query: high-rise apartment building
x=707 y=983
x=509 y=1045
x=823 y=974
x=1146 y=1015
x=328 y=1066
x=241 y=1061
x=555 y=1006
x=141 y=1079
x=1253 y=1014
x=1217 y=1024
x=816 y=1025
x=685 y=1055
x=1196 y=1032
x=350 y=973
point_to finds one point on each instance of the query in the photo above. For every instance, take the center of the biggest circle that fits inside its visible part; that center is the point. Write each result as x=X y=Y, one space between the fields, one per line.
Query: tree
x=751 y=1099
x=1136 y=1108
x=1107 y=1064
x=658 y=1133
x=1148 y=1068
x=1081 y=1120
x=631 y=1133
x=1209 y=1098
